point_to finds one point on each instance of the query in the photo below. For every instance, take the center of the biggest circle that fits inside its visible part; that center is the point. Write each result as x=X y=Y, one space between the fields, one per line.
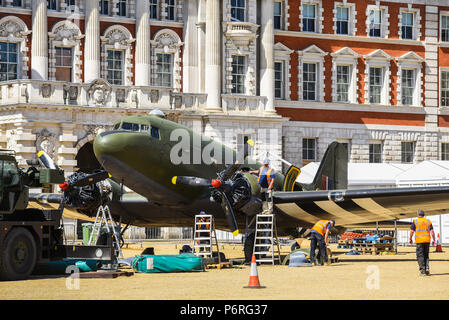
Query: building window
x=238 y=74
x=164 y=70
x=309 y=81
x=309 y=17
x=8 y=61
x=153 y=9
x=445 y=88
x=343 y=83
x=407 y=86
x=342 y=20
x=375 y=23
x=445 y=28
x=407 y=25
x=115 y=67
x=121 y=6
x=445 y=151
x=16 y=3
x=52 y=4
x=70 y=3
x=170 y=9
x=238 y=8
x=64 y=64
x=309 y=149
x=278 y=15
x=279 y=80
x=375 y=85
x=407 y=151
x=375 y=153
x=104 y=7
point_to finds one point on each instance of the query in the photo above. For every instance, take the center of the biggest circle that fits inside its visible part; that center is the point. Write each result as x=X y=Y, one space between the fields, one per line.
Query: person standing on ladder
x=266 y=182
x=320 y=235
x=422 y=229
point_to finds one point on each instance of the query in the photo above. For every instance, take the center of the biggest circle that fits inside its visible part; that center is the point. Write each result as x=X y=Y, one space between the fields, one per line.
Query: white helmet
x=266 y=161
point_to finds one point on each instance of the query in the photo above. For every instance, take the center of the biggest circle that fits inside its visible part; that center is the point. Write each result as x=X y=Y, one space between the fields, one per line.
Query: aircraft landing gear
x=249 y=246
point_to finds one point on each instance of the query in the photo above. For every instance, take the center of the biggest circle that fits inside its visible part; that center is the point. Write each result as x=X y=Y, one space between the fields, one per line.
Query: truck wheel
x=18 y=255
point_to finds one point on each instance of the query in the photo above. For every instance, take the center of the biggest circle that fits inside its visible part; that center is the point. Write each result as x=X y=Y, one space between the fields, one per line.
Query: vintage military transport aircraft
x=138 y=153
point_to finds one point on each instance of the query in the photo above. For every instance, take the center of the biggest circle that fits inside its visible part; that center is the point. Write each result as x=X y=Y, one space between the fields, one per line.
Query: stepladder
x=205 y=237
x=103 y=220
x=266 y=242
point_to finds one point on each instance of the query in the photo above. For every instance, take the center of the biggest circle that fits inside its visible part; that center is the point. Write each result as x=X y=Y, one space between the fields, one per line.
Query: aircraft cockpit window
x=155 y=132
x=117 y=126
x=130 y=126
x=144 y=127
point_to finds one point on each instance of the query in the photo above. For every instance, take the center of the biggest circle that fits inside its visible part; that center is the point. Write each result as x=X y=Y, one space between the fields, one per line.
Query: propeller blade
x=191 y=181
x=229 y=214
x=46 y=161
x=91 y=179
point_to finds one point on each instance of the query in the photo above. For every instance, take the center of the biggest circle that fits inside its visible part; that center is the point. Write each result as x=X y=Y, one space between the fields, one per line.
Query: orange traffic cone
x=253 y=277
x=438 y=248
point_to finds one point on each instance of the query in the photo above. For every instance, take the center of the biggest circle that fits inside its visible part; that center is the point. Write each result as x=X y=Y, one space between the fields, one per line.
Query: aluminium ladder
x=264 y=240
x=203 y=236
x=104 y=218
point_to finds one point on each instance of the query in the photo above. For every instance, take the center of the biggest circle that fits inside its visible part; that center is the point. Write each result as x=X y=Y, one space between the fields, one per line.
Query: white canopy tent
x=390 y=175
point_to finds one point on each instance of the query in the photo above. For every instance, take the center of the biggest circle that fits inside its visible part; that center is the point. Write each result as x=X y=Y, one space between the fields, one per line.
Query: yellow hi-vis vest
x=321 y=226
x=422 y=232
x=262 y=171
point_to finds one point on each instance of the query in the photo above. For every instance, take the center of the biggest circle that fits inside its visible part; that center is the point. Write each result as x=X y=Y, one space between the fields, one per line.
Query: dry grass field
x=353 y=277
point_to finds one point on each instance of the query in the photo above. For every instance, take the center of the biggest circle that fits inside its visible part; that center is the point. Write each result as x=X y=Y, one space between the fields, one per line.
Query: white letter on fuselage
x=180 y=152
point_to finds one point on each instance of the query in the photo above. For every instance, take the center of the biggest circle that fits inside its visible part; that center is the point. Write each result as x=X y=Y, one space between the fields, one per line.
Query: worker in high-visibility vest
x=422 y=229
x=266 y=182
x=320 y=235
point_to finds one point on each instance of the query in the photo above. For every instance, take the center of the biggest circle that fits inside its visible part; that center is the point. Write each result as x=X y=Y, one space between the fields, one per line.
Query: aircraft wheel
x=248 y=247
x=18 y=255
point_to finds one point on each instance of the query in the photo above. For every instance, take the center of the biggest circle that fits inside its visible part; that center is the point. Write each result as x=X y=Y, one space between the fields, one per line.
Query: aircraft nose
x=107 y=144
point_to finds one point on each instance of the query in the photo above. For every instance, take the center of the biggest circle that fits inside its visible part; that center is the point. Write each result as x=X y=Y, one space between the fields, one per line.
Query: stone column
x=201 y=36
x=213 y=55
x=267 y=54
x=39 y=41
x=190 y=52
x=92 y=56
x=431 y=83
x=143 y=55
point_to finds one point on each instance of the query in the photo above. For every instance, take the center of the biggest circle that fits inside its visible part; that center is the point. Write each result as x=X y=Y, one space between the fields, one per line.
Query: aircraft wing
x=352 y=207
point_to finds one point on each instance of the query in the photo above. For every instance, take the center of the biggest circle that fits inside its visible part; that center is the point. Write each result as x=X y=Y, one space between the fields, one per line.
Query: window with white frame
x=154 y=9
x=238 y=10
x=309 y=149
x=375 y=23
x=64 y=63
x=309 y=17
x=279 y=80
x=122 y=9
x=9 y=61
x=445 y=151
x=375 y=152
x=343 y=82
x=104 y=7
x=309 y=81
x=410 y=79
x=115 y=67
x=52 y=4
x=407 y=151
x=375 y=84
x=164 y=70
x=278 y=15
x=342 y=21
x=444 y=94
x=170 y=9
x=238 y=74
x=444 y=28
x=407 y=21
x=377 y=77
x=407 y=86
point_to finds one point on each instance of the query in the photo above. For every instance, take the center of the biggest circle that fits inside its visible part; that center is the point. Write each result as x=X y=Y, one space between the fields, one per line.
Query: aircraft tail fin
x=333 y=170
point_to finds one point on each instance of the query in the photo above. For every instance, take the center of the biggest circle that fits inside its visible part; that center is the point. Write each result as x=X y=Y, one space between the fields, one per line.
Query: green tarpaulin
x=168 y=263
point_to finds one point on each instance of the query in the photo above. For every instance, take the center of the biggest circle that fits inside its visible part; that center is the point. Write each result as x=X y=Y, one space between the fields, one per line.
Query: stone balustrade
x=100 y=94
